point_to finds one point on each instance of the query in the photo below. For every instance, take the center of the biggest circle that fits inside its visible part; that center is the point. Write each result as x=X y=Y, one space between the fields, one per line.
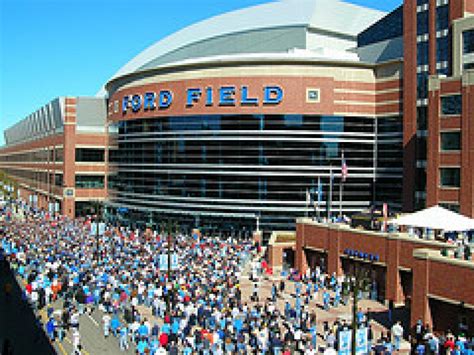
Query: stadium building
x=246 y=119
x=237 y=120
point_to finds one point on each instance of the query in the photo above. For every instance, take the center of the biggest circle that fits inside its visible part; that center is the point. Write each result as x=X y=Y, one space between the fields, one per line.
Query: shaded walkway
x=18 y=323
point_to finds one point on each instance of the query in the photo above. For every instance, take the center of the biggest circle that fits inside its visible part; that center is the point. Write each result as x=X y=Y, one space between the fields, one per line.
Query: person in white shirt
x=397 y=333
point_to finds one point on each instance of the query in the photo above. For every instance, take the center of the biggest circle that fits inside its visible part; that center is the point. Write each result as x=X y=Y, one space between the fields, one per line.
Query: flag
x=344 y=170
x=320 y=191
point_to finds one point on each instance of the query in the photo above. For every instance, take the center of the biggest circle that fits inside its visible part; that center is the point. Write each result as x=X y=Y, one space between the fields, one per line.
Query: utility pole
x=357 y=284
x=168 y=228
x=97 y=222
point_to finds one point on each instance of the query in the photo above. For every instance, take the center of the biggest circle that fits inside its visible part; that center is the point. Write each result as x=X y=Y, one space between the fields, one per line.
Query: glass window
x=451 y=141
x=442 y=49
x=89 y=155
x=450 y=177
x=422 y=53
x=442 y=17
x=422 y=86
x=468 y=41
x=89 y=182
x=422 y=118
x=422 y=23
x=451 y=105
x=450 y=206
x=390 y=26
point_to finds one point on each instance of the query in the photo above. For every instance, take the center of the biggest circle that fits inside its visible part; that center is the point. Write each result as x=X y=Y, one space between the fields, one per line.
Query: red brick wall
x=467 y=152
x=409 y=104
x=456 y=286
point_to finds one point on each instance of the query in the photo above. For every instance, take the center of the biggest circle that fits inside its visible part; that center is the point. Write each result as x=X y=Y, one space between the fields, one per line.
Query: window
x=422 y=53
x=442 y=49
x=422 y=86
x=468 y=41
x=450 y=141
x=422 y=118
x=422 y=23
x=450 y=206
x=89 y=182
x=89 y=155
x=451 y=105
x=450 y=177
x=442 y=17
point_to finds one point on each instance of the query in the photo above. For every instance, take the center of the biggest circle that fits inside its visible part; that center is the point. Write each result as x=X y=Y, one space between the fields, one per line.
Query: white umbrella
x=436 y=217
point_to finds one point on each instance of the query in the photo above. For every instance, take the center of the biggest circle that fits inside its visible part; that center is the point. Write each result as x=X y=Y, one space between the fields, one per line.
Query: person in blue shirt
x=50 y=327
x=326 y=299
x=143 y=330
x=115 y=324
x=142 y=346
x=165 y=328
x=123 y=340
x=154 y=345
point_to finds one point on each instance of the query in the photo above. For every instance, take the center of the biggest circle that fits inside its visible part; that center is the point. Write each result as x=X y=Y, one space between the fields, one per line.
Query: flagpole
x=318 y=210
x=307 y=203
x=341 y=189
x=341 y=183
x=330 y=193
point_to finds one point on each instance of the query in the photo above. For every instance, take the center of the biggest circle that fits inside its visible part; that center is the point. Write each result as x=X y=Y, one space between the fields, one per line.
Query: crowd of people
x=197 y=308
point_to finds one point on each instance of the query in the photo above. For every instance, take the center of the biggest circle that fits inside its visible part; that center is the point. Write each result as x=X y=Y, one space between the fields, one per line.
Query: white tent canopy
x=436 y=217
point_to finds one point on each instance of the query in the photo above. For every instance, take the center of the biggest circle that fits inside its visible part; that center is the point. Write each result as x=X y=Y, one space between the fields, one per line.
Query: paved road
x=92 y=340
x=18 y=323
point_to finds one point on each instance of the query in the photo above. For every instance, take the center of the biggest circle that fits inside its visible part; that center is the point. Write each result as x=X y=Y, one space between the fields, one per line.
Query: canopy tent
x=436 y=217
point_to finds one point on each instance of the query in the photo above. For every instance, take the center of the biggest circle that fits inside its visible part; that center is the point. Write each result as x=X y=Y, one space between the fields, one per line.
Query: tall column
x=301 y=264
x=409 y=104
x=393 y=284
x=420 y=308
x=334 y=259
x=467 y=146
x=433 y=142
x=69 y=162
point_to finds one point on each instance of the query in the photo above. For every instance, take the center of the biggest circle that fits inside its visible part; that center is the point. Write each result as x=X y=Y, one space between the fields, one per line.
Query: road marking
x=93 y=320
x=61 y=347
x=83 y=350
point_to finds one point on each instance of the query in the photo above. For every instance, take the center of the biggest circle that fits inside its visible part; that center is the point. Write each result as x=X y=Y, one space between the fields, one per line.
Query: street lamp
x=168 y=227
x=358 y=282
x=98 y=211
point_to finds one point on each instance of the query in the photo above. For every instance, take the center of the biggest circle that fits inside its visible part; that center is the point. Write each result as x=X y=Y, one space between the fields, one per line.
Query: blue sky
x=51 y=48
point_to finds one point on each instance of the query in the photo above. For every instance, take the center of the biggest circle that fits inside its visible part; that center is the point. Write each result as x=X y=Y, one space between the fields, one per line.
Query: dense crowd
x=197 y=308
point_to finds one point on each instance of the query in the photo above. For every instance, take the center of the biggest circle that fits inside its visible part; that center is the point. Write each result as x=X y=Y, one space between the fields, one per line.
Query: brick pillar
x=393 y=285
x=275 y=257
x=69 y=162
x=301 y=263
x=433 y=143
x=334 y=259
x=409 y=104
x=467 y=146
x=420 y=308
x=257 y=237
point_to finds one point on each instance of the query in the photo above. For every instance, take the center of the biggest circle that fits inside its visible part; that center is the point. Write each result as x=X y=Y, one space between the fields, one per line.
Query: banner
x=94 y=228
x=362 y=343
x=345 y=340
x=164 y=262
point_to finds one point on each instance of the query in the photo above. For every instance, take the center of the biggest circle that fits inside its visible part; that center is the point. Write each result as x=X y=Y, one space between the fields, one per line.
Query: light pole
x=98 y=211
x=168 y=228
x=357 y=283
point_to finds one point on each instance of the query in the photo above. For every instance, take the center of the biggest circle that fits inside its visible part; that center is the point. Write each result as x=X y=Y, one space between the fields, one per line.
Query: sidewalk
x=18 y=323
